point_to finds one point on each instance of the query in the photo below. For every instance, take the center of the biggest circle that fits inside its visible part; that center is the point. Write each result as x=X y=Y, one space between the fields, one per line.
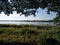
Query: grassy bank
x=29 y=35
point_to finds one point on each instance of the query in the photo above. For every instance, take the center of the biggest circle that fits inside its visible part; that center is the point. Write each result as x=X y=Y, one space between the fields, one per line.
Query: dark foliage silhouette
x=29 y=7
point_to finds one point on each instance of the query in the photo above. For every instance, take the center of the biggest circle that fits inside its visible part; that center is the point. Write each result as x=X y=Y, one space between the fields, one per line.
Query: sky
x=41 y=15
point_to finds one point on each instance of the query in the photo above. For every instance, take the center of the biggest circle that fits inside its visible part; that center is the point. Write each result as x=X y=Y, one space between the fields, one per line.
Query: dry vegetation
x=29 y=34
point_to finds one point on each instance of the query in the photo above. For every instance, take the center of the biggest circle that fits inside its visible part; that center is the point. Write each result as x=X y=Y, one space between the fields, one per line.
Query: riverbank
x=29 y=35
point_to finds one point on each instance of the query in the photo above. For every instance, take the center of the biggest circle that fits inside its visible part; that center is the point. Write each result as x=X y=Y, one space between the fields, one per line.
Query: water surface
x=31 y=23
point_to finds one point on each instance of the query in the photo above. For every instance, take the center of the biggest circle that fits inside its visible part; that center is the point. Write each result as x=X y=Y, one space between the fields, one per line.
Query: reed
x=29 y=34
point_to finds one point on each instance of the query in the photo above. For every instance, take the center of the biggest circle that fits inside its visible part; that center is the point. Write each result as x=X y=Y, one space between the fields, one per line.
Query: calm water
x=31 y=23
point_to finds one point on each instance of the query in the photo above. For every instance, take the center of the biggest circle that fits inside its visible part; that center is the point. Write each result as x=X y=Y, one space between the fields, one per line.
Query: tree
x=29 y=7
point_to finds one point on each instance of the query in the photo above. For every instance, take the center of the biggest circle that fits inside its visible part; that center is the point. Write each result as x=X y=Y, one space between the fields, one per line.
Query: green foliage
x=29 y=7
x=57 y=19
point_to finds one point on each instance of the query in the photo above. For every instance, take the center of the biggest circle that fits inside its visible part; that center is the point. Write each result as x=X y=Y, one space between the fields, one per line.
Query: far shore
x=28 y=20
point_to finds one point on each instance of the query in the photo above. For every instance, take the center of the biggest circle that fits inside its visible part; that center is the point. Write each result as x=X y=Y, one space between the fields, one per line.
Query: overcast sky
x=41 y=15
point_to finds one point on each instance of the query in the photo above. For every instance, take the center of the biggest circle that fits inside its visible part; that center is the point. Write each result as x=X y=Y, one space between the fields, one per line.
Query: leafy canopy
x=29 y=7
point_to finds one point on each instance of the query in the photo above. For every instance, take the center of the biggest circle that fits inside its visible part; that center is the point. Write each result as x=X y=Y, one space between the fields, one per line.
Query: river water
x=30 y=23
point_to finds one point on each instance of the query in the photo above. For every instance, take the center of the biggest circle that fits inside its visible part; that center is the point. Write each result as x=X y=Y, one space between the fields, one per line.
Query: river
x=30 y=23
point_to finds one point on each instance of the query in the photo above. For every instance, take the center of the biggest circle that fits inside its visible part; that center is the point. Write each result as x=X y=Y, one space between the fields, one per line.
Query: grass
x=29 y=34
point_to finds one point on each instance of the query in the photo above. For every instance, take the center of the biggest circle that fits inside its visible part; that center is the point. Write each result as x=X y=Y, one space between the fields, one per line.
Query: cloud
x=41 y=15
